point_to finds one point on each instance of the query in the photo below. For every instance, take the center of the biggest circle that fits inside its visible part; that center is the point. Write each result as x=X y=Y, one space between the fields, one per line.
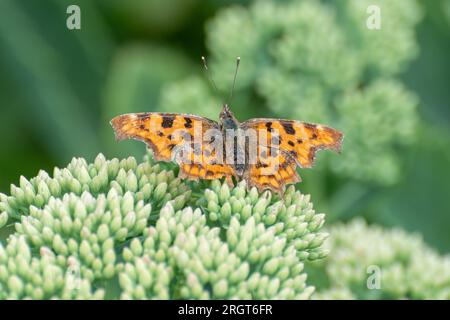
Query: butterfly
x=264 y=152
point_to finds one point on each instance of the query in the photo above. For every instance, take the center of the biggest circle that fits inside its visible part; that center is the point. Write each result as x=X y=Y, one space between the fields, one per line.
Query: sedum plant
x=122 y=229
x=407 y=268
x=43 y=275
x=125 y=230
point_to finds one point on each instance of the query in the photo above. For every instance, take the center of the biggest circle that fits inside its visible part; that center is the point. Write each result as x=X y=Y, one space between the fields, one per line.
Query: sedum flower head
x=122 y=229
x=244 y=261
x=381 y=129
x=24 y=275
x=408 y=268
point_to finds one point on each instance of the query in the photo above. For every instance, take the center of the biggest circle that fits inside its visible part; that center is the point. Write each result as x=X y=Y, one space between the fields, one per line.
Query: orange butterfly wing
x=283 y=145
x=272 y=171
x=299 y=139
x=166 y=133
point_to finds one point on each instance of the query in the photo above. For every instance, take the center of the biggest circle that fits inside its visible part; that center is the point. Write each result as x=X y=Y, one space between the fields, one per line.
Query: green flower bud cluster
x=386 y=50
x=24 y=276
x=87 y=228
x=134 y=231
x=381 y=106
x=86 y=211
x=319 y=61
x=145 y=182
x=244 y=260
x=293 y=218
x=406 y=266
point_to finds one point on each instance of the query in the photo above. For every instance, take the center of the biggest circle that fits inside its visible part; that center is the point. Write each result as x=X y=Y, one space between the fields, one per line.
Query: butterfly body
x=230 y=128
x=264 y=152
x=227 y=119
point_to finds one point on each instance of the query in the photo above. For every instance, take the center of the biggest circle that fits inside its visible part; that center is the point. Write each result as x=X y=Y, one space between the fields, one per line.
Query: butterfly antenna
x=238 y=60
x=208 y=74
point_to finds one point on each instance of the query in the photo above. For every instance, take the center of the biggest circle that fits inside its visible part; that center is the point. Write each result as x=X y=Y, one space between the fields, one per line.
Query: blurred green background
x=388 y=90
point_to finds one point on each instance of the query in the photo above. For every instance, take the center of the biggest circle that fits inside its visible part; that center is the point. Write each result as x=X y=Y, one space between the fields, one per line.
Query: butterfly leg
x=229 y=181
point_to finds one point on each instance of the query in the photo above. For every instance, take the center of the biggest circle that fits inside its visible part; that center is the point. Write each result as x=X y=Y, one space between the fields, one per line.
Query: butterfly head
x=227 y=119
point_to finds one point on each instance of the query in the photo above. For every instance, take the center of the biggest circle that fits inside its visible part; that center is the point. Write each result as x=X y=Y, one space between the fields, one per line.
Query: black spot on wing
x=261 y=165
x=167 y=121
x=143 y=116
x=291 y=143
x=309 y=126
x=188 y=122
x=288 y=128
